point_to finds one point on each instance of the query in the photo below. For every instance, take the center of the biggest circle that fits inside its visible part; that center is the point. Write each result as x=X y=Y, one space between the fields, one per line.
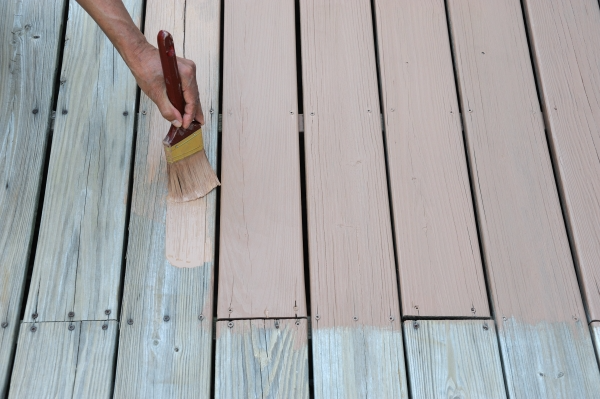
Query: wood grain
x=565 y=42
x=453 y=359
x=529 y=266
x=261 y=267
x=159 y=358
x=352 y=272
x=439 y=262
x=28 y=59
x=596 y=337
x=80 y=245
x=261 y=359
x=55 y=362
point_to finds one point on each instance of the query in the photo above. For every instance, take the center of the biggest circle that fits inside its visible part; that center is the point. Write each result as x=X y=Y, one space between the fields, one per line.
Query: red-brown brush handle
x=168 y=60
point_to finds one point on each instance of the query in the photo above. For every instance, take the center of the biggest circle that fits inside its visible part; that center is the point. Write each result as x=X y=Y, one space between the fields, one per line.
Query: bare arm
x=143 y=60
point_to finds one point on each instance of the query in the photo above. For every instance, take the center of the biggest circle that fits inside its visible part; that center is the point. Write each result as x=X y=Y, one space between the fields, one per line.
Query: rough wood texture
x=352 y=271
x=529 y=265
x=28 y=60
x=78 y=265
x=565 y=38
x=262 y=359
x=549 y=360
x=55 y=362
x=453 y=359
x=159 y=358
x=596 y=336
x=261 y=268
x=436 y=237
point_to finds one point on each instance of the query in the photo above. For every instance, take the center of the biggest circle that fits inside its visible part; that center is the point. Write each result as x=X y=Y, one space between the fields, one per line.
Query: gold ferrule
x=186 y=147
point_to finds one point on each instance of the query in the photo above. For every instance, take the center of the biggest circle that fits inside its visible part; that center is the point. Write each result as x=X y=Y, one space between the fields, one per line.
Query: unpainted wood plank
x=172 y=358
x=65 y=360
x=352 y=273
x=453 y=359
x=30 y=32
x=439 y=261
x=529 y=265
x=80 y=245
x=261 y=267
x=565 y=42
x=262 y=359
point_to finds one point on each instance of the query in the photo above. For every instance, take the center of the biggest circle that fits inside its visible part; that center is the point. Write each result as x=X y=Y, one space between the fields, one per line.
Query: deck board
x=453 y=359
x=262 y=359
x=354 y=298
x=532 y=279
x=595 y=326
x=261 y=267
x=160 y=356
x=565 y=42
x=28 y=60
x=439 y=261
x=55 y=362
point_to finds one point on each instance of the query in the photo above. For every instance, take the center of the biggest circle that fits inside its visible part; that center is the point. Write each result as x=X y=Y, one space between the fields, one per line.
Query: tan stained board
x=262 y=359
x=439 y=261
x=28 y=61
x=532 y=279
x=80 y=245
x=65 y=360
x=356 y=328
x=261 y=269
x=166 y=321
x=453 y=359
x=565 y=38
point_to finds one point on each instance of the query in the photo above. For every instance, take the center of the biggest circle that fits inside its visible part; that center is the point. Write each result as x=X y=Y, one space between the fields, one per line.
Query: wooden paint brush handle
x=168 y=60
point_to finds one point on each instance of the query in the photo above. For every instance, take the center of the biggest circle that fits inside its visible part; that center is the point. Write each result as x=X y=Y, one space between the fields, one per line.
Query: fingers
x=167 y=110
x=193 y=108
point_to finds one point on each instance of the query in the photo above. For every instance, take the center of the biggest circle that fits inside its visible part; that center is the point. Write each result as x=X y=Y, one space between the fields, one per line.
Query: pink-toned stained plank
x=565 y=41
x=357 y=335
x=261 y=267
x=547 y=349
x=439 y=259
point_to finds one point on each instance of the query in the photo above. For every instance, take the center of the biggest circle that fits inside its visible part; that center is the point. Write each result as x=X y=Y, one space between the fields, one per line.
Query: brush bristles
x=191 y=178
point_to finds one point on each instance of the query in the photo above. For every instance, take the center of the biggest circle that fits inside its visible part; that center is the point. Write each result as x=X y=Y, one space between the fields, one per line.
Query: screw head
x=125 y=113
x=33 y=329
x=230 y=324
x=176 y=349
x=485 y=326
x=64 y=112
x=317 y=317
x=276 y=324
x=130 y=321
x=166 y=318
x=416 y=307
x=392 y=318
x=71 y=327
x=212 y=111
x=473 y=310
x=4 y=324
x=35 y=111
x=416 y=325
x=297 y=322
x=312 y=114
x=107 y=312
x=105 y=327
x=71 y=314
x=355 y=318
x=504 y=318
x=201 y=317
x=143 y=112
x=34 y=316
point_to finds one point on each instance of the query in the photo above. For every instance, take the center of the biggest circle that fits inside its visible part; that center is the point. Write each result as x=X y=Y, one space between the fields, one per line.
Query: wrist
x=135 y=52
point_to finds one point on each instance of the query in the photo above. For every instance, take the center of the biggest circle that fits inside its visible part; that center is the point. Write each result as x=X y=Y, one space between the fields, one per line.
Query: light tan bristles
x=191 y=178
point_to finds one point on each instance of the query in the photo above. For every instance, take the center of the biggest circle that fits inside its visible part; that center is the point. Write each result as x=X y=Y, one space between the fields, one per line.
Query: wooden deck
x=410 y=203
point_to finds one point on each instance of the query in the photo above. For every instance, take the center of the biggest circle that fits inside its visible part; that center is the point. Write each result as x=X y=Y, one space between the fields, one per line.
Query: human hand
x=148 y=73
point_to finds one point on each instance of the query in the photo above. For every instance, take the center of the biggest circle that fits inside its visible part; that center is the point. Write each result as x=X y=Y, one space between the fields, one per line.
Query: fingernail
x=176 y=123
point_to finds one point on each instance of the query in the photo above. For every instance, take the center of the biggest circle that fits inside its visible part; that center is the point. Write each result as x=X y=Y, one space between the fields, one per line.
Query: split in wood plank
x=262 y=359
x=30 y=32
x=65 y=360
x=453 y=359
x=357 y=334
x=439 y=262
x=531 y=274
x=261 y=267
x=166 y=318
x=565 y=42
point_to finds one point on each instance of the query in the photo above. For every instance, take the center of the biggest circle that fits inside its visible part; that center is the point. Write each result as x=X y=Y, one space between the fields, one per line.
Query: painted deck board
x=55 y=362
x=453 y=359
x=78 y=265
x=439 y=260
x=160 y=356
x=261 y=267
x=354 y=298
x=565 y=39
x=262 y=359
x=28 y=61
x=531 y=275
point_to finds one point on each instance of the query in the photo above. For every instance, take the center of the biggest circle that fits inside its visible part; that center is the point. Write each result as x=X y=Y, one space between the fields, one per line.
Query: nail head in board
x=230 y=324
x=71 y=314
x=105 y=327
x=297 y=322
x=71 y=327
x=416 y=325
x=130 y=321
x=4 y=324
x=166 y=318
x=33 y=329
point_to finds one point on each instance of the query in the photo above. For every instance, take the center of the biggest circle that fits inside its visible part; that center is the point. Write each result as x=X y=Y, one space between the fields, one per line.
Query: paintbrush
x=190 y=174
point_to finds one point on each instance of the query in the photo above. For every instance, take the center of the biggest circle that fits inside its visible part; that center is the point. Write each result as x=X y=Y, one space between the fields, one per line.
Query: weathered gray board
x=262 y=359
x=58 y=362
x=595 y=326
x=453 y=359
x=357 y=332
x=29 y=31
x=162 y=356
x=80 y=245
x=565 y=43
x=545 y=345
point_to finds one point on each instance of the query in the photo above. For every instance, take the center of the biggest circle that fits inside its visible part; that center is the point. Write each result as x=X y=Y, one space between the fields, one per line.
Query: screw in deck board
x=4 y=324
x=230 y=324
x=317 y=317
x=176 y=349
x=485 y=326
x=71 y=327
x=33 y=329
x=35 y=111
x=166 y=318
x=34 y=316
x=107 y=312
x=276 y=324
x=130 y=321
x=392 y=318
x=201 y=317
x=64 y=112
x=71 y=314
x=355 y=318
x=416 y=325
x=105 y=327
x=297 y=322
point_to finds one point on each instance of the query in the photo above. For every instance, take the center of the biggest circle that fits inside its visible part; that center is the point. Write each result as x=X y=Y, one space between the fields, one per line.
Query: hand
x=148 y=73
